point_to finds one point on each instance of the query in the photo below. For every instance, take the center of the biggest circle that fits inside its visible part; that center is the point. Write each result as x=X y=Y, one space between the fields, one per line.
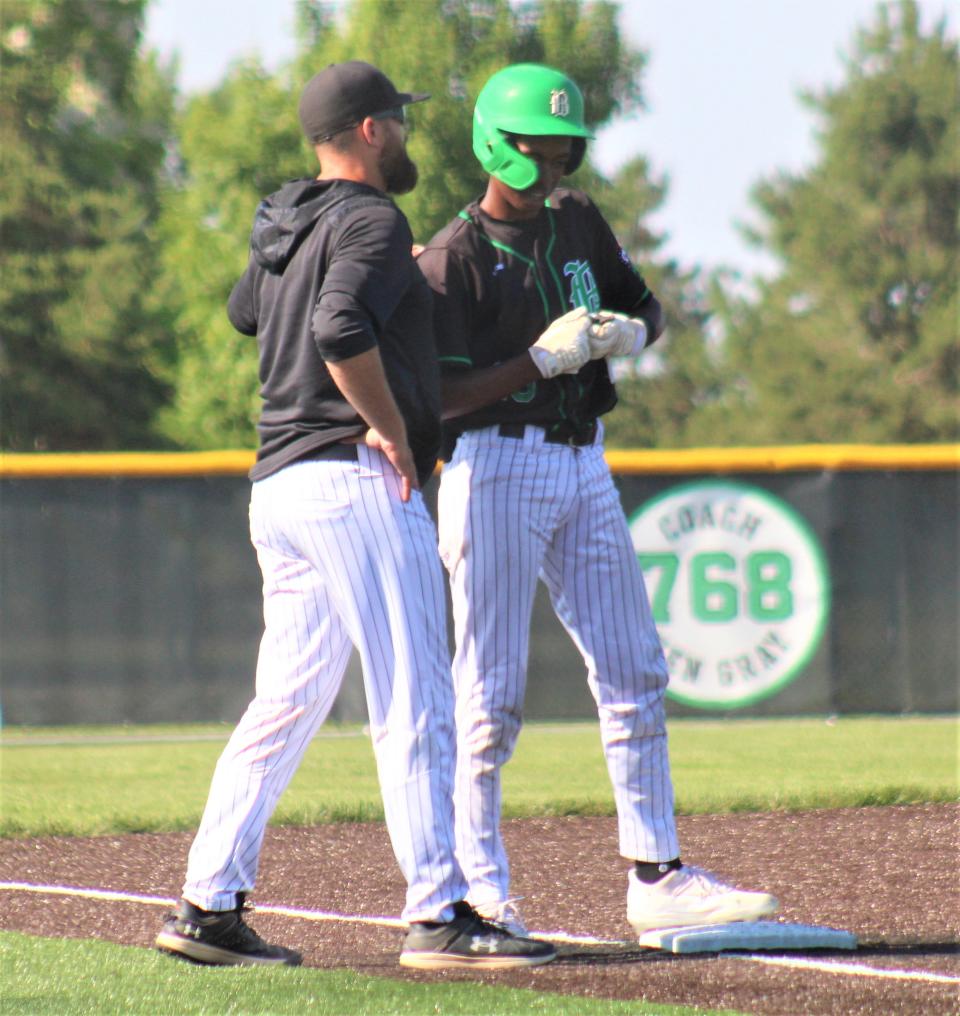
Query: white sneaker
x=505 y=914
x=691 y=896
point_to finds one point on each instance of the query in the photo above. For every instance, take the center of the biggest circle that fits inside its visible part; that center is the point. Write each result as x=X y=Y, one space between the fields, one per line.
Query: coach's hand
x=401 y=458
x=565 y=346
x=613 y=334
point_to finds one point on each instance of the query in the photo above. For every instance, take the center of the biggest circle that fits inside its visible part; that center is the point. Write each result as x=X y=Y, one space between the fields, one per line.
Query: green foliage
x=49 y=977
x=661 y=392
x=856 y=339
x=237 y=143
x=134 y=782
x=243 y=140
x=83 y=128
x=124 y=224
x=449 y=48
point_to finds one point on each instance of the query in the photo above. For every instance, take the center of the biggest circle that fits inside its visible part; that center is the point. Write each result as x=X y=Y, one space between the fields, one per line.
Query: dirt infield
x=888 y=874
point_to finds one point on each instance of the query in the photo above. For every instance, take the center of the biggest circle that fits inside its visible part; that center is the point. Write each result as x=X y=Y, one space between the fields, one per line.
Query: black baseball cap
x=342 y=94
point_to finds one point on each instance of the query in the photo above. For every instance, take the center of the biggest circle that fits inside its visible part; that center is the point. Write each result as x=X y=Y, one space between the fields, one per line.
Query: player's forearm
x=363 y=383
x=466 y=391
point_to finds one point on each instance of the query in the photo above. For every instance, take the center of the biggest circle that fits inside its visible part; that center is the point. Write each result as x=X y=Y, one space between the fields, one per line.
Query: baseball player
x=532 y=294
x=349 y=429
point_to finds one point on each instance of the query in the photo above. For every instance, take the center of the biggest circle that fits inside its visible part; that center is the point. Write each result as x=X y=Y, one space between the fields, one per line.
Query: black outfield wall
x=129 y=591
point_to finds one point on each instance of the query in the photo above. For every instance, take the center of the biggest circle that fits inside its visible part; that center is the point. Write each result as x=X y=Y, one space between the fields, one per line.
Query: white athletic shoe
x=691 y=896
x=504 y=914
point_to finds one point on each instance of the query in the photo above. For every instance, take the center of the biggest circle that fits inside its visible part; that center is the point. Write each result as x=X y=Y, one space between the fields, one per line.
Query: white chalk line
x=848 y=968
x=161 y=901
x=264 y=908
x=854 y=969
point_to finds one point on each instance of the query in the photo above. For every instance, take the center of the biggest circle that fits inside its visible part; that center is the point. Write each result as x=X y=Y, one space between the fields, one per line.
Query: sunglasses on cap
x=397 y=113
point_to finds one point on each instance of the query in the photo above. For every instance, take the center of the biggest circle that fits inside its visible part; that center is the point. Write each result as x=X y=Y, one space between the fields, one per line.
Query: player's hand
x=613 y=334
x=565 y=346
x=401 y=458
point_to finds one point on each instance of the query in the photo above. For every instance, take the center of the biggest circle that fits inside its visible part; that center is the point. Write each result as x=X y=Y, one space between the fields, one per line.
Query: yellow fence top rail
x=788 y=458
x=64 y=464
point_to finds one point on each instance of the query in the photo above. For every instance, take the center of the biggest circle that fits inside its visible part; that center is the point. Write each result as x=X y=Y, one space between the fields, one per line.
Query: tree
x=449 y=48
x=856 y=339
x=237 y=143
x=662 y=394
x=243 y=140
x=83 y=130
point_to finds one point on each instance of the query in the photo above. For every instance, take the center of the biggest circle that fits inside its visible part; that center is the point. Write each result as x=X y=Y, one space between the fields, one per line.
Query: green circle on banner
x=739 y=589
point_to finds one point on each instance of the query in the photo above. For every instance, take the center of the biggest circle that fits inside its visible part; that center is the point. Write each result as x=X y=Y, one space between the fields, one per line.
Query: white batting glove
x=613 y=334
x=565 y=346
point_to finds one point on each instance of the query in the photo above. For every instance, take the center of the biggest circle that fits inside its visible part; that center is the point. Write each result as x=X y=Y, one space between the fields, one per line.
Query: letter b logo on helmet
x=526 y=99
x=559 y=103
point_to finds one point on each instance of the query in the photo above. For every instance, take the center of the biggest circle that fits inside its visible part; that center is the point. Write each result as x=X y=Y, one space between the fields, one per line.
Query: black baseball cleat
x=219 y=938
x=470 y=941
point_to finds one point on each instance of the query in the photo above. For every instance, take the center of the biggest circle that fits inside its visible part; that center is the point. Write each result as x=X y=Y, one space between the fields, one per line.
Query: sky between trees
x=126 y=216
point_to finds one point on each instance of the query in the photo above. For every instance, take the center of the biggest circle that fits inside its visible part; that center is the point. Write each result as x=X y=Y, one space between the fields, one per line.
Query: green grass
x=85 y=781
x=77 y=781
x=47 y=977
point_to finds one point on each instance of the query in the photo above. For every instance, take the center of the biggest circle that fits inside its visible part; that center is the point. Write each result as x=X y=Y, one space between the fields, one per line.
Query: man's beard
x=399 y=170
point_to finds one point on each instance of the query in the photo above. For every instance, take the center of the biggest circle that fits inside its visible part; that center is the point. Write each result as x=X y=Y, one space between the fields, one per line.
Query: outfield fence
x=785 y=581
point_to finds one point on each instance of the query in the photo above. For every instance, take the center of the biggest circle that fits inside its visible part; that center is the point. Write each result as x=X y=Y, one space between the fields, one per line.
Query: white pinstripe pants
x=345 y=562
x=513 y=510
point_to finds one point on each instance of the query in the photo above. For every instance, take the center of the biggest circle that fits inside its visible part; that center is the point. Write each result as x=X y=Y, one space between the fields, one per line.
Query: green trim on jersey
x=557 y=281
x=529 y=262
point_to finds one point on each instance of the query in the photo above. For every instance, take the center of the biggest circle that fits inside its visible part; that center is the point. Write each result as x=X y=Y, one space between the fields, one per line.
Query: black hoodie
x=331 y=275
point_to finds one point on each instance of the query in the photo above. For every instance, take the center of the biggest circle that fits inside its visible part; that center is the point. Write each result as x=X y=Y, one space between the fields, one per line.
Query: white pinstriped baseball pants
x=512 y=510
x=345 y=562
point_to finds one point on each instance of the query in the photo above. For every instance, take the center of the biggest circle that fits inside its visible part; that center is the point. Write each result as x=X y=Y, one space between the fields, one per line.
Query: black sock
x=653 y=871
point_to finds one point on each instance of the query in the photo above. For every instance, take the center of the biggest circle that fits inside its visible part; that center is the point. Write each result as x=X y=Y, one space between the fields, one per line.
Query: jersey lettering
x=583 y=286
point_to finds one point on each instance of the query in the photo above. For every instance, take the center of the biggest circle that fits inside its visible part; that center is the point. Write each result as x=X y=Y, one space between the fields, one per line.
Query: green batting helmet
x=526 y=99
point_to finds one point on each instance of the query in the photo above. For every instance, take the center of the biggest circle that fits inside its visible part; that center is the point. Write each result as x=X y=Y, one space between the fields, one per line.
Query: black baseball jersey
x=497 y=285
x=332 y=275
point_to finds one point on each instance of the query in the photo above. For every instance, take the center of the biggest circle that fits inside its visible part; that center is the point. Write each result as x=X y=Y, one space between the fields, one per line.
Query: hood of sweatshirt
x=285 y=218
